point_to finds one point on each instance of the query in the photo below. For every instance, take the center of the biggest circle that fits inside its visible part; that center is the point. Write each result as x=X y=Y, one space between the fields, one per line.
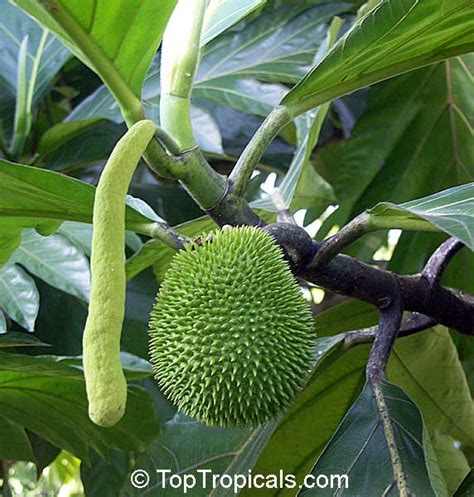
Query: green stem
x=163 y=233
x=179 y=61
x=240 y=176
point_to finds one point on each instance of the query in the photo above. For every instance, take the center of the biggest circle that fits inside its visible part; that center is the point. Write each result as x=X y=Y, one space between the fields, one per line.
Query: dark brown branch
x=352 y=278
x=440 y=259
x=343 y=238
x=355 y=279
x=389 y=325
x=390 y=319
x=411 y=324
x=297 y=243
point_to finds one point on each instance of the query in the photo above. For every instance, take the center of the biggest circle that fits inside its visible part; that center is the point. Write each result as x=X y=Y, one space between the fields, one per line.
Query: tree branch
x=342 y=239
x=390 y=319
x=352 y=278
x=440 y=259
x=355 y=279
x=413 y=323
x=389 y=325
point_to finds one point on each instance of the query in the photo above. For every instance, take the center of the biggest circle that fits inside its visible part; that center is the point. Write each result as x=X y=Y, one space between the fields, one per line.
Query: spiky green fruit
x=231 y=333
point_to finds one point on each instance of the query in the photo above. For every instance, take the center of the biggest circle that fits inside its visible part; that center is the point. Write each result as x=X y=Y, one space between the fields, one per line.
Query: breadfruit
x=231 y=334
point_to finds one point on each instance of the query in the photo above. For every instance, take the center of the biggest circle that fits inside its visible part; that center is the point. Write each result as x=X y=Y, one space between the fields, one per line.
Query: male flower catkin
x=231 y=334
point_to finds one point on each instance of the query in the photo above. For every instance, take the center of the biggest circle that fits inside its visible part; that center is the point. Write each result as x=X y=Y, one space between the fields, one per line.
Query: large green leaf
x=34 y=197
x=245 y=458
x=80 y=234
x=14 y=443
x=40 y=194
x=115 y=39
x=305 y=429
x=222 y=14
x=451 y=211
x=467 y=487
x=20 y=339
x=395 y=37
x=452 y=461
x=427 y=367
x=48 y=398
x=365 y=458
x=424 y=147
x=106 y=477
x=338 y=376
x=205 y=448
x=276 y=47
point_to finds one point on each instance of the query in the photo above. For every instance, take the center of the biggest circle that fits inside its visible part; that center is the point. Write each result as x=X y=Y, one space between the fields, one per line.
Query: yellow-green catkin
x=105 y=382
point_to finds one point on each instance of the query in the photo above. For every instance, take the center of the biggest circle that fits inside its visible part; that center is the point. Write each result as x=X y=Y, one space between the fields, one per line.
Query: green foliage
x=46 y=396
x=393 y=38
x=121 y=56
x=74 y=75
x=365 y=456
x=450 y=211
x=428 y=369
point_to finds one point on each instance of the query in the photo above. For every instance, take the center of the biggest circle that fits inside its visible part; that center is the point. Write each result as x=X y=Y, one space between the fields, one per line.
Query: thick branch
x=355 y=279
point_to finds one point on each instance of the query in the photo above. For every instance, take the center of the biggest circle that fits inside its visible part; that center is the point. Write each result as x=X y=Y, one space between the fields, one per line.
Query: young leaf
x=393 y=38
